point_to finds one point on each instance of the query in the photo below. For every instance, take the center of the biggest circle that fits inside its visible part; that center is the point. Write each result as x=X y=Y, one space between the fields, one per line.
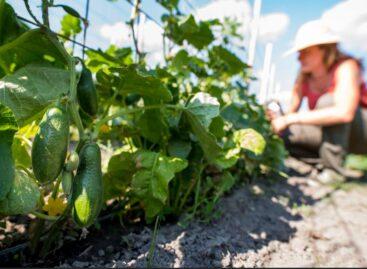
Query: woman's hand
x=270 y=114
x=279 y=124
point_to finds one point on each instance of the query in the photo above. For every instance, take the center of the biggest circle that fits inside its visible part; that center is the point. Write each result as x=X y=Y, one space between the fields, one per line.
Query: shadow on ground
x=252 y=217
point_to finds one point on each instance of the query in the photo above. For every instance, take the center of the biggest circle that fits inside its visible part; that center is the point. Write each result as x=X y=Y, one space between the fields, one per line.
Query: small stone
x=101 y=252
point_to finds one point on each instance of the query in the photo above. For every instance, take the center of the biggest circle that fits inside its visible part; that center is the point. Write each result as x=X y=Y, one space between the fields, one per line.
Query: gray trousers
x=330 y=143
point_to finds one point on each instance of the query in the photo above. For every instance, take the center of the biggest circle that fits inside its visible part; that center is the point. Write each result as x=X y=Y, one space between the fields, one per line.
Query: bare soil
x=297 y=222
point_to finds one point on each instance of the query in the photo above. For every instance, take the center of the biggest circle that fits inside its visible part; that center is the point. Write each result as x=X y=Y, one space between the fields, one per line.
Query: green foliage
x=20 y=153
x=169 y=4
x=10 y=26
x=225 y=62
x=150 y=182
x=23 y=196
x=250 y=140
x=182 y=134
x=358 y=162
x=70 y=26
x=8 y=127
x=33 y=46
x=31 y=89
x=187 y=29
x=7 y=169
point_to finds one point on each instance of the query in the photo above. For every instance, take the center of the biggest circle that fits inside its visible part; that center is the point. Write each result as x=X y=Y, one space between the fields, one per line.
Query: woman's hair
x=332 y=56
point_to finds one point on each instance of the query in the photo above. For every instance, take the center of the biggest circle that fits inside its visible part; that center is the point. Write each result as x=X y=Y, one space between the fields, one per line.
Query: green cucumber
x=50 y=144
x=87 y=186
x=72 y=162
x=87 y=93
x=66 y=181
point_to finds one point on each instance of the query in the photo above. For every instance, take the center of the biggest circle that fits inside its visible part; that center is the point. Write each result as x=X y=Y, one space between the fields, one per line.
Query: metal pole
x=270 y=92
x=254 y=32
x=265 y=73
x=141 y=31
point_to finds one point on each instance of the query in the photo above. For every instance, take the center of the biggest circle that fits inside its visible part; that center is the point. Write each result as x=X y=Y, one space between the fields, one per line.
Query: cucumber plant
x=174 y=138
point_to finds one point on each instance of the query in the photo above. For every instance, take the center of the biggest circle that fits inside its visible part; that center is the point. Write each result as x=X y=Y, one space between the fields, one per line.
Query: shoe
x=351 y=174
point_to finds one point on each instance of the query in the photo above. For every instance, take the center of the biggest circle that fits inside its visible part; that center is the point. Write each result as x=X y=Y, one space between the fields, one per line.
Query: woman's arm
x=346 y=98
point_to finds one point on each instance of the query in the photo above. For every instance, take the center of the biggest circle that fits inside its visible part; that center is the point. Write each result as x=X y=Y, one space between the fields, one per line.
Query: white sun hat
x=313 y=33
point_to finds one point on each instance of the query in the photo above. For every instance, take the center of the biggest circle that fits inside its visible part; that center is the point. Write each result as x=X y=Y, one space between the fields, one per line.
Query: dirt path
x=296 y=222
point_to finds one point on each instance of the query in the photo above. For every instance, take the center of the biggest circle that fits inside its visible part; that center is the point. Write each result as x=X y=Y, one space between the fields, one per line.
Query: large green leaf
x=199 y=36
x=21 y=154
x=70 y=25
x=112 y=57
x=179 y=148
x=217 y=127
x=153 y=126
x=6 y=168
x=150 y=183
x=131 y=80
x=8 y=127
x=31 y=89
x=226 y=182
x=250 y=140
x=204 y=107
x=120 y=171
x=183 y=62
x=8 y=124
x=225 y=61
x=207 y=140
x=23 y=196
x=34 y=46
x=10 y=26
x=199 y=112
x=228 y=158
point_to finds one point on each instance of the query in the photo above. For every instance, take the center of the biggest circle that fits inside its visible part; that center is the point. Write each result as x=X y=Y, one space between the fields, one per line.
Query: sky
x=279 y=22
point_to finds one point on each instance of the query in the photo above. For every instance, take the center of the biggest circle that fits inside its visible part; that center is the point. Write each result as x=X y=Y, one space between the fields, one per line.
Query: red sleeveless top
x=313 y=96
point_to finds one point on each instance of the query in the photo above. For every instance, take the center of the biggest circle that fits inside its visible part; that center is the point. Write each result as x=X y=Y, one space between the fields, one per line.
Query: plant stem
x=86 y=24
x=152 y=245
x=197 y=191
x=195 y=180
x=44 y=216
x=134 y=15
x=45 y=18
x=56 y=188
x=178 y=191
x=73 y=94
x=26 y=3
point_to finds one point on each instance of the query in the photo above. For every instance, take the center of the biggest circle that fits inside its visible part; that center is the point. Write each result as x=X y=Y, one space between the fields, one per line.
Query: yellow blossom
x=54 y=207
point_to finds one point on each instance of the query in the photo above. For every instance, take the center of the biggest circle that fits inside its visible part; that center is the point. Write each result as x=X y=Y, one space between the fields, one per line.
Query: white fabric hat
x=313 y=33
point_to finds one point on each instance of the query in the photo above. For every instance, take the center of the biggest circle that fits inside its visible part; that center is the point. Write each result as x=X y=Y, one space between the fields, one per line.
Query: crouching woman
x=332 y=83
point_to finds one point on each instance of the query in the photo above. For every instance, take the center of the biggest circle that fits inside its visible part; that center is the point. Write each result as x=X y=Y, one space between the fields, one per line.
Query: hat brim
x=298 y=48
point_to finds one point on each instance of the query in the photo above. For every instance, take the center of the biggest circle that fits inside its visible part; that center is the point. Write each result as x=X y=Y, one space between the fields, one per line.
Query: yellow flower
x=54 y=207
x=105 y=128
